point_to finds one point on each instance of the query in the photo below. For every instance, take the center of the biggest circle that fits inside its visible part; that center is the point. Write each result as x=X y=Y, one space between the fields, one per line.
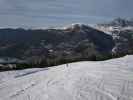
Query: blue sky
x=45 y=13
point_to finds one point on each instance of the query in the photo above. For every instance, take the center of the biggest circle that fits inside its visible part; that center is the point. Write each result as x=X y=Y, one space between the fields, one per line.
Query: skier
x=67 y=65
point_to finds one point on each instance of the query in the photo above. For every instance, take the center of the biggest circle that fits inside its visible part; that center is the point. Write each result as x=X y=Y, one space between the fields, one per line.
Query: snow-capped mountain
x=118 y=24
x=122 y=32
x=106 y=80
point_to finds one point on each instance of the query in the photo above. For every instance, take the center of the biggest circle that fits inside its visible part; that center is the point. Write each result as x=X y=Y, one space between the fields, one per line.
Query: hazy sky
x=42 y=13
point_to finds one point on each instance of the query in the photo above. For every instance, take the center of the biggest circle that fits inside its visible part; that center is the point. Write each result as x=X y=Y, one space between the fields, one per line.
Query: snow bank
x=106 y=80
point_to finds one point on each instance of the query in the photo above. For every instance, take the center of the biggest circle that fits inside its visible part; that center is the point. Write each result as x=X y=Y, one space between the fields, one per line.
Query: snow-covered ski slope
x=106 y=80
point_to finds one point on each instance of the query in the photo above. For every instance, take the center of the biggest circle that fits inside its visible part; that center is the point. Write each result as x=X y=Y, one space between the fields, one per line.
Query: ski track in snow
x=105 y=80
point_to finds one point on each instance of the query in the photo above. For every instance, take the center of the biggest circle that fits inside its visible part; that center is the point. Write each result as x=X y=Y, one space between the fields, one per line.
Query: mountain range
x=74 y=43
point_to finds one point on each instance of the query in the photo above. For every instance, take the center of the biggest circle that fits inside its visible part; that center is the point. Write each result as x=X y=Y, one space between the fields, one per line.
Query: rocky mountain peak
x=78 y=27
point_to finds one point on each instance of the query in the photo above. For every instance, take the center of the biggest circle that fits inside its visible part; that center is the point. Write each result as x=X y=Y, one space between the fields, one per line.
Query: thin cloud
x=20 y=10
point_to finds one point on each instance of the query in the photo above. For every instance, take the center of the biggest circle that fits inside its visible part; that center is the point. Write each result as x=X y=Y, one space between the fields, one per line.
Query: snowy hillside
x=106 y=80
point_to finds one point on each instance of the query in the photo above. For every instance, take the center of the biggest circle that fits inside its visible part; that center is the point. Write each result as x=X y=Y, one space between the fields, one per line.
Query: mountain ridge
x=76 y=42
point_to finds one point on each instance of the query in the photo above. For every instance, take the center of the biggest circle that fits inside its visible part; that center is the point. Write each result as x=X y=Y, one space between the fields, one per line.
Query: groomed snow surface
x=105 y=80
